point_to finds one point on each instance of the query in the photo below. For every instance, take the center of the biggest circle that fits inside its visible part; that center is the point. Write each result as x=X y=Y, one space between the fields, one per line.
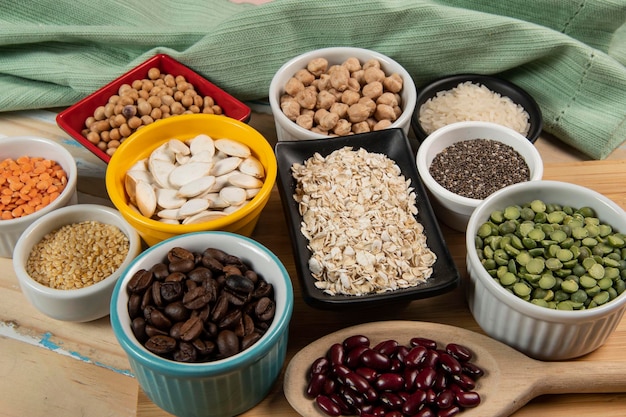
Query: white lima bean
x=187 y=182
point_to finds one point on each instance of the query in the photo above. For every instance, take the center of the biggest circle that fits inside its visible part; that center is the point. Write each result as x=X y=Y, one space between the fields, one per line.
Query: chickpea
x=307 y=98
x=339 y=77
x=354 y=85
x=358 y=112
x=294 y=86
x=384 y=112
x=393 y=83
x=291 y=108
x=373 y=90
x=372 y=63
x=361 y=127
x=383 y=124
x=304 y=76
x=388 y=98
x=372 y=74
x=352 y=64
x=371 y=104
x=305 y=121
x=325 y=100
x=342 y=128
x=350 y=97
x=317 y=66
x=340 y=109
x=325 y=119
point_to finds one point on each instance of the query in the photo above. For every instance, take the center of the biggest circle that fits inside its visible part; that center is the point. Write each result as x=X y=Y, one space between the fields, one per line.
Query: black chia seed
x=476 y=168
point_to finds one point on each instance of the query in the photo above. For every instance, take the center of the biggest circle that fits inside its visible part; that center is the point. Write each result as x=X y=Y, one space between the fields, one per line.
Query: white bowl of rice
x=463 y=163
x=68 y=261
x=474 y=97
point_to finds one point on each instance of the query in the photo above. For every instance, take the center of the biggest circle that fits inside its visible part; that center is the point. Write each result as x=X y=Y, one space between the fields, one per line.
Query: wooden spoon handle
x=581 y=377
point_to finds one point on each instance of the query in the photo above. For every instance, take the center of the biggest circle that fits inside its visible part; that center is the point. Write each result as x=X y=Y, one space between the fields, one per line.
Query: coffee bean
x=227 y=343
x=160 y=271
x=139 y=329
x=134 y=305
x=140 y=281
x=200 y=274
x=177 y=311
x=182 y=265
x=196 y=298
x=265 y=309
x=186 y=352
x=171 y=291
x=239 y=284
x=176 y=254
x=161 y=344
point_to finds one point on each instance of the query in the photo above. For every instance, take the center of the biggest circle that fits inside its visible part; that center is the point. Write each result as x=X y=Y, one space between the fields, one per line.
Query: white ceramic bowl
x=287 y=130
x=15 y=147
x=452 y=209
x=78 y=305
x=225 y=387
x=540 y=332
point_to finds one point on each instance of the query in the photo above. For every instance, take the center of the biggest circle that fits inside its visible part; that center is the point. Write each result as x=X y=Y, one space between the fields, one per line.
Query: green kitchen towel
x=570 y=55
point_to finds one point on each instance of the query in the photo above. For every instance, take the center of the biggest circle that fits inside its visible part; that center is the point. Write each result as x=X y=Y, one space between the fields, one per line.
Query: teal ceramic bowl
x=221 y=388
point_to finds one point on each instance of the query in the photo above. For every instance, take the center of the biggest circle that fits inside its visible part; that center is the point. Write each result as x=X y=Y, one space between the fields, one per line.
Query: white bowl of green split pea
x=547 y=268
x=464 y=162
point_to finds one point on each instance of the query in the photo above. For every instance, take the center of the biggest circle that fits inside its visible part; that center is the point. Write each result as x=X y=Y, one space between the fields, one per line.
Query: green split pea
x=554 y=256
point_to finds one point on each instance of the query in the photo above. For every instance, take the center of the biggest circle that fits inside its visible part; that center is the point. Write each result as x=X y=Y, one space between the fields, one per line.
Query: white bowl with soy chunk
x=464 y=162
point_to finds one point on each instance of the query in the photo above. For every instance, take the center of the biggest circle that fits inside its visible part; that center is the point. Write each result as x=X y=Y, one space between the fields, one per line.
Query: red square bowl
x=72 y=119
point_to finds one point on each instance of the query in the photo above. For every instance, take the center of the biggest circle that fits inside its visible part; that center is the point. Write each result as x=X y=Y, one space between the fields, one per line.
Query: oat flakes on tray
x=358 y=214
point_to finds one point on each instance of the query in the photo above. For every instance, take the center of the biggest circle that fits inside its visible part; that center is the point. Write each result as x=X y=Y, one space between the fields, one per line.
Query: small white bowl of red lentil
x=463 y=163
x=68 y=261
x=37 y=176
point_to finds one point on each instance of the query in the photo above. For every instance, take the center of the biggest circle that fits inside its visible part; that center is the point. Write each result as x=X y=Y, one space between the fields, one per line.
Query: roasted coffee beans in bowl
x=340 y=91
x=68 y=261
x=37 y=176
x=547 y=268
x=203 y=318
x=463 y=163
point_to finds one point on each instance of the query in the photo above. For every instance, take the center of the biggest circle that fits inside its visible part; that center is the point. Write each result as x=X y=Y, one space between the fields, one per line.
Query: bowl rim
x=100 y=213
x=255 y=352
x=277 y=86
x=424 y=167
x=271 y=170
x=516 y=303
x=72 y=175
x=448 y=82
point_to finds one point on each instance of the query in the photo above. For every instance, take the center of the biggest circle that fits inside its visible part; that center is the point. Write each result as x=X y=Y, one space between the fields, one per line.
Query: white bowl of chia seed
x=463 y=163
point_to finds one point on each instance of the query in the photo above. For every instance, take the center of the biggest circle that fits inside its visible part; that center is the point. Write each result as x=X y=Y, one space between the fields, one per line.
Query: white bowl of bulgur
x=68 y=261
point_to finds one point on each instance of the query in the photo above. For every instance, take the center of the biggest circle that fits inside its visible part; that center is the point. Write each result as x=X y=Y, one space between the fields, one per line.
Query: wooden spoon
x=511 y=378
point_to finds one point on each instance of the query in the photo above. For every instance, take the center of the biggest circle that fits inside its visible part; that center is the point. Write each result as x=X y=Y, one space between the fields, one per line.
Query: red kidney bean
x=396 y=365
x=426 y=378
x=460 y=352
x=449 y=412
x=441 y=381
x=375 y=360
x=387 y=347
x=316 y=385
x=431 y=397
x=467 y=399
x=472 y=370
x=341 y=403
x=431 y=359
x=422 y=341
x=410 y=376
x=330 y=385
x=340 y=370
x=320 y=366
x=389 y=382
x=394 y=413
x=353 y=358
x=464 y=381
x=356 y=340
x=416 y=356
x=367 y=373
x=445 y=399
x=449 y=363
x=391 y=401
x=414 y=402
x=327 y=405
x=425 y=412
x=402 y=352
x=357 y=382
x=336 y=354
x=352 y=398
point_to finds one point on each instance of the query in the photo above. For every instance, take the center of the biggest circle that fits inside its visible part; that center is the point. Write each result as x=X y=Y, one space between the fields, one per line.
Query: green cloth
x=570 y=55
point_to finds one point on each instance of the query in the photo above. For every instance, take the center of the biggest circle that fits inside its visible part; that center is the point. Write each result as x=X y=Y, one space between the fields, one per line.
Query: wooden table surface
x=53 y=368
